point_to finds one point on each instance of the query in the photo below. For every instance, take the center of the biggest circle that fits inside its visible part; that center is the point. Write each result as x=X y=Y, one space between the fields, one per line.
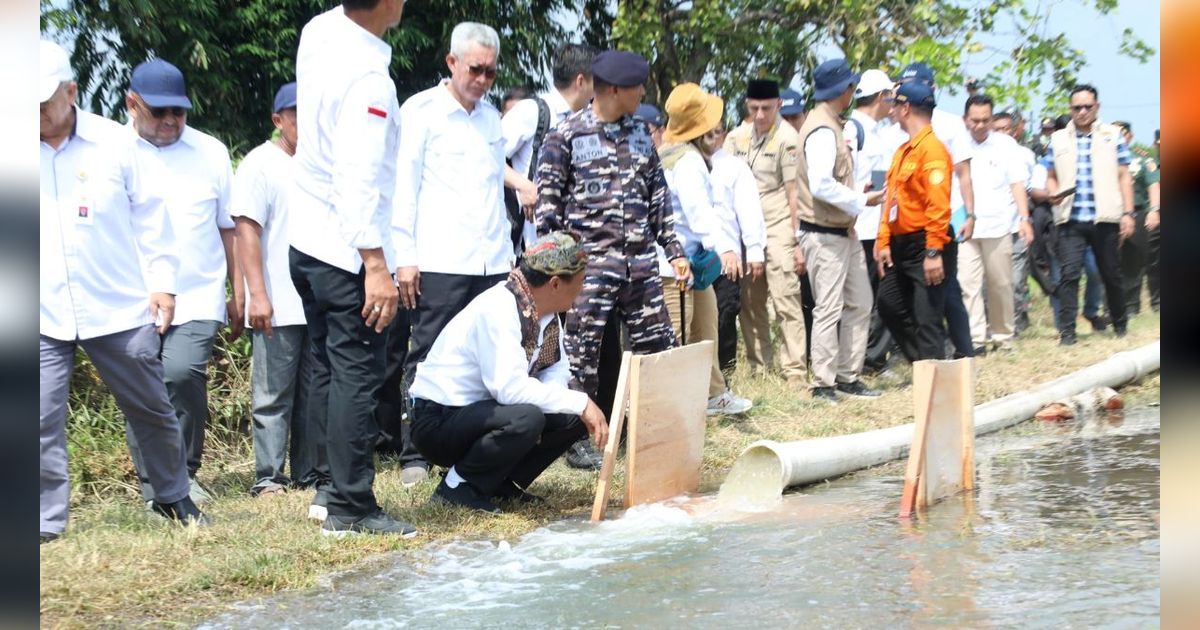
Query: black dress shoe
x=465 y=495
x=510 y=491
x=583 y=455
x=1099 y=322
x=825 y=393
x=979 y=351
x=183 y=511
x=1067 y=339
x=377 y=522
x=49 y=537
x=858 y=390
x=1120 y=330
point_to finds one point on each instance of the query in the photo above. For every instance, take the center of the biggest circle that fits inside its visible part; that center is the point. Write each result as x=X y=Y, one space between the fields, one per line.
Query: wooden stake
x=614 y=439
x=923 y=375
x=968 y=424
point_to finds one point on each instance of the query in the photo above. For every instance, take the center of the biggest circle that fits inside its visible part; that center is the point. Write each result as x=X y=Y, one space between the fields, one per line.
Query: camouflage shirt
x=604 y=182
x=1144 y=172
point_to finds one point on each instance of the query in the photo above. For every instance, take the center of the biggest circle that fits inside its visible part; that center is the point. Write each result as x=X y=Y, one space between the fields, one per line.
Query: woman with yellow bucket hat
x=700 y=227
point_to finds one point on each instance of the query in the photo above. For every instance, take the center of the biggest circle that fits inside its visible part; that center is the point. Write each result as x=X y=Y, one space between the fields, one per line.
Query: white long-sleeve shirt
x=876 y=155
x=700 y=223
x=347 y=118
x=98 y=211
x=196 y=179
x=449 y=212
x=478 y=356
x=820 y=152
x=735 y=188
x=520 y=126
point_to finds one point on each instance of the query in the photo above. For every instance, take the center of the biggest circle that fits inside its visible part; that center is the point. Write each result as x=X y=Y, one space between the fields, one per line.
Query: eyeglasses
x=1083 y=108
x=889 y=99
x=480 y=69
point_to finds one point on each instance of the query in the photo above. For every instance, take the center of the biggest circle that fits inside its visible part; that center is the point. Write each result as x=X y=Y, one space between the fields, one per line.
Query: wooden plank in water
x=614 y=438
x=941 y=461
x=668 y=393
x=922 y=399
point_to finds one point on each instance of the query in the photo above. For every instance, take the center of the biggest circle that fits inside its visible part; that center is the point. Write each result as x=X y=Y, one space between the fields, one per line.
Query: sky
x=1128 y=90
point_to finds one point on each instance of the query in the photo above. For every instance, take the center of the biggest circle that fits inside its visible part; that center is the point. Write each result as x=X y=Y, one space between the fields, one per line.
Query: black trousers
x=348 y=361
x=807 y=303
x=1152 y=266
x=1074 y=237
x=1134 y=256
x=879 y=340
x=487 y=442
x=729 y=304
x=394 y=438
x=913 y=310
x=608 y=367
x=443 y=295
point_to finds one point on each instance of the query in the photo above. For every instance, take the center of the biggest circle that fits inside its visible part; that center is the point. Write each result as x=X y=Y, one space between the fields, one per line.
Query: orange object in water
x=1055 y=411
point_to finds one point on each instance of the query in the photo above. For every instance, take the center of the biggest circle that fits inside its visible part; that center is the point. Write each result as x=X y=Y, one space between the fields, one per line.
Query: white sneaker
x=318 y=512
x=728 y=404
x=413 y=475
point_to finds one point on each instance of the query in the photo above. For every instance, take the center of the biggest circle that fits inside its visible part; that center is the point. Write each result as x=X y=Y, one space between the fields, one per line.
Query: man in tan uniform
x=837 y=268
x=768 y=145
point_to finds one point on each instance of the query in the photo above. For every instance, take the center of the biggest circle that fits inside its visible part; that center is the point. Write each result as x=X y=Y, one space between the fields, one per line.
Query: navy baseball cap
x=915 y=92
x=832 y=78
x=620 y=68
x=918 y=71
x=793 y=103
x=285 y=97
x=160 y=84
x=650 y=114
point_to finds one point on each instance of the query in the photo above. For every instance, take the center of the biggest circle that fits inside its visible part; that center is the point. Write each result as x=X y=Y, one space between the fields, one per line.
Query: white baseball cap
x=56 y=68
x=873 y=82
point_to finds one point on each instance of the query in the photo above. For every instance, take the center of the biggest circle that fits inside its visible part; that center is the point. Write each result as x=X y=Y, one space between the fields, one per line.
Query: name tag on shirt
x=586 y=148
x=84 y=214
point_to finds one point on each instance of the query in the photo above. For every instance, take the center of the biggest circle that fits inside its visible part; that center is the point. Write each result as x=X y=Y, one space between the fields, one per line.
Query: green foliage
x=722 y=43
x=236 y=53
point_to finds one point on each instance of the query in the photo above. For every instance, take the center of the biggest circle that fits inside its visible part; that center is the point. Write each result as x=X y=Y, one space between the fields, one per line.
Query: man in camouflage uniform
x=599 y=176
x=1135 y=251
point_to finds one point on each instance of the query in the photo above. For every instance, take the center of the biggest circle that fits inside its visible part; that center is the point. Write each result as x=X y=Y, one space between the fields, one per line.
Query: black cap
x=620 y=68
x=650 y=114
x=762 y=89
x=915 y=92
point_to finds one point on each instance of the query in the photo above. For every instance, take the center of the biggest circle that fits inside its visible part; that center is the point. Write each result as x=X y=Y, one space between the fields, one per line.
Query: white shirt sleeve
x=1037 y=180
x=224 y=190
x=1018 y=168
x=748 y=206
x=505 y=370
x=359 y=139
x=820 y=151
x=518 y=126
x=152 y=228
x=410 y=163
x=249 y=197
x=694 y=189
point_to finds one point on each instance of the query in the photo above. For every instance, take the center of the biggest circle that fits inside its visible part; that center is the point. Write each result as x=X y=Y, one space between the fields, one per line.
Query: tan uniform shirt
x=772 y=158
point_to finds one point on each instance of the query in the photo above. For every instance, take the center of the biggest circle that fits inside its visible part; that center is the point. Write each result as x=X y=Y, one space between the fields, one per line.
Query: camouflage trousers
x=607 y=294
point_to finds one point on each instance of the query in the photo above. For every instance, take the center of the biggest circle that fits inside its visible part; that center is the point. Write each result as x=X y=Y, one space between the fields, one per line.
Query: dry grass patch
x=119 y=566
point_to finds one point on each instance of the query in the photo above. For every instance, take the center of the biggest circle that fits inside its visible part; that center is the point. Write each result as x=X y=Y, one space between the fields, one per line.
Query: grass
x=121 y=567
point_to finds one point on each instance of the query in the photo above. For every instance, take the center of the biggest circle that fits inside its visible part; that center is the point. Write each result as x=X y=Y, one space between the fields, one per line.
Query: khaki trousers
x=990 y=260
x=701 y=324
x=837 y=272
x=782 y=285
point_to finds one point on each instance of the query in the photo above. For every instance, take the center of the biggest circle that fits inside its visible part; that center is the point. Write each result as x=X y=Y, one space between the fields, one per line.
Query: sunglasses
x=480 y=69
x=159 y=112
x=1083 y=108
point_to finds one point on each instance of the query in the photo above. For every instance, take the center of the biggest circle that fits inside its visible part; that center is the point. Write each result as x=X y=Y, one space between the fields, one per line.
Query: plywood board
x=941 y=459
x=614 y=439
x=668 y=393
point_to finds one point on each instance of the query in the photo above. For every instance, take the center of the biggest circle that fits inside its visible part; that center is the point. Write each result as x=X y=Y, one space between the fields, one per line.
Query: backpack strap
x=860 y=133
x=542 y=127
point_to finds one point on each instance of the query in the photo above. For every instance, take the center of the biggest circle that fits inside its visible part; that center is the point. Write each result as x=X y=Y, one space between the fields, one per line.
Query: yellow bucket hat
x=691 y=113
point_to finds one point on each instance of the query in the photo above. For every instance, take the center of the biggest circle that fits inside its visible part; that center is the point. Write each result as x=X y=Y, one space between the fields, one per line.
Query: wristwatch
x=1127 y=214
x=933 y=253
x=970 y=216
x=1027 y=219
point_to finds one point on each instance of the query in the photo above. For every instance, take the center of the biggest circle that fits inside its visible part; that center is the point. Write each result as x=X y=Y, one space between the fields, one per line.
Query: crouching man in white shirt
x=490 y=401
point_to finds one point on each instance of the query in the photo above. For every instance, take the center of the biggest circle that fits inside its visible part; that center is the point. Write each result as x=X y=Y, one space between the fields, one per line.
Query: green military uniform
x=772 y=158
x=1136 y=254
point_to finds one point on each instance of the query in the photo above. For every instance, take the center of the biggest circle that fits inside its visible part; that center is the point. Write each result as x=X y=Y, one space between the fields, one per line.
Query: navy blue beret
x=620 y=68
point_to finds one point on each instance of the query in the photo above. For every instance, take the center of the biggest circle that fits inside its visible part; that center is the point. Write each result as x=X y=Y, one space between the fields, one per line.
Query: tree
x=722 y=43
x=236 y=53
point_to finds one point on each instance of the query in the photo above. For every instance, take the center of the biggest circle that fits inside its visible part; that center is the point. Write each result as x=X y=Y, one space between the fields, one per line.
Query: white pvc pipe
x=766 y=468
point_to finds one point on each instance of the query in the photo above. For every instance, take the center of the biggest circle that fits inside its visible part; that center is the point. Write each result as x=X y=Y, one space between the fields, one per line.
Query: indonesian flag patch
x=375 y=111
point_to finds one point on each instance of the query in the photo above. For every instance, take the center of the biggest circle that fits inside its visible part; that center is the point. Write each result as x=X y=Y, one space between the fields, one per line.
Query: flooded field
x=1062 y=531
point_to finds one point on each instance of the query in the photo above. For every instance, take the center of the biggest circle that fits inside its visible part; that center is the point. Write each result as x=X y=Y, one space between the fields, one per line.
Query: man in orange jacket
x=915 y=249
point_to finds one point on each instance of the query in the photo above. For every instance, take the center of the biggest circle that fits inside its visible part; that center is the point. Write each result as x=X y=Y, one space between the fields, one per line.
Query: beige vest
x=815 y=210
x=1105 y=171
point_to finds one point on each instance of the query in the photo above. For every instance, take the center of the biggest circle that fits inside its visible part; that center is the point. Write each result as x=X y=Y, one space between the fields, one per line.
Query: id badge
x=84 y=212
x=894 y=212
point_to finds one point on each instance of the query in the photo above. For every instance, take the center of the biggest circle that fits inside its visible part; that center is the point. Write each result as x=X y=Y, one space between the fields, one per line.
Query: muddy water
x=1061 y=532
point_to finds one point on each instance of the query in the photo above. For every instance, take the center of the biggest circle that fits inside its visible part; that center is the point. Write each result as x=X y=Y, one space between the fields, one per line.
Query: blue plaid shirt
x=1084 y=208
